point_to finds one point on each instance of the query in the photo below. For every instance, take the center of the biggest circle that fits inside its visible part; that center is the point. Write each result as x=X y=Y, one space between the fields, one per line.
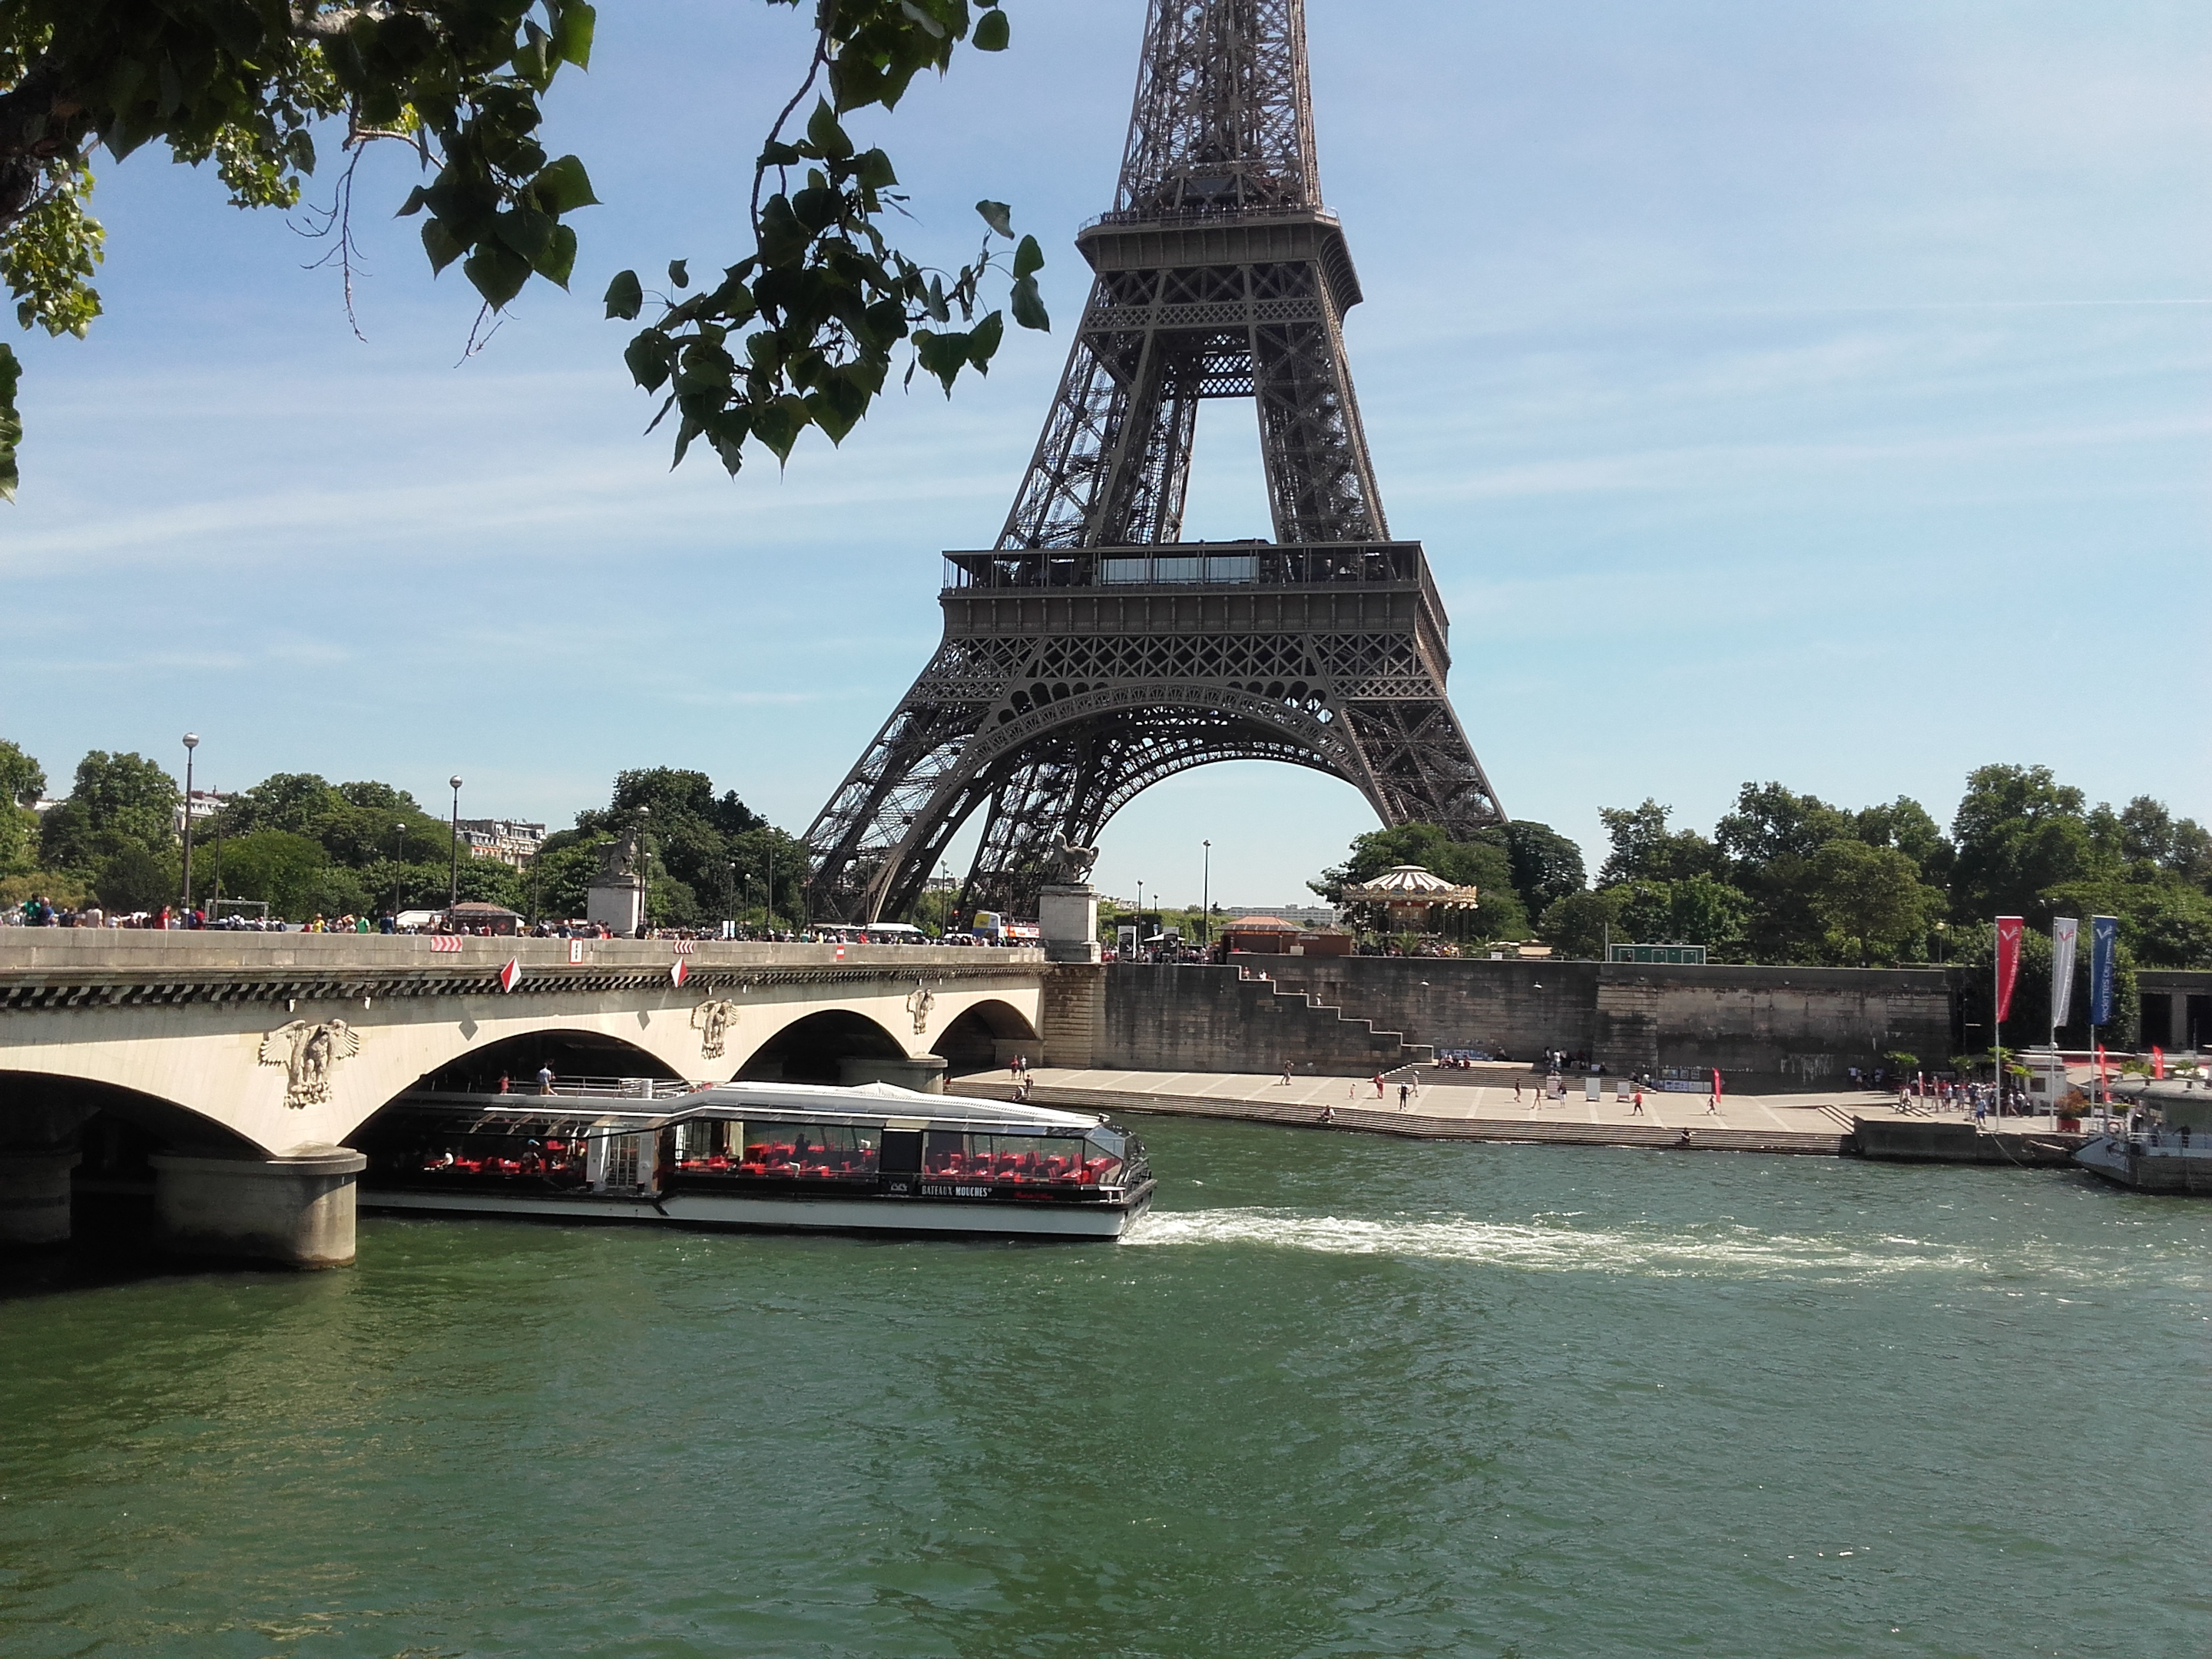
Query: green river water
x=1339 y=1396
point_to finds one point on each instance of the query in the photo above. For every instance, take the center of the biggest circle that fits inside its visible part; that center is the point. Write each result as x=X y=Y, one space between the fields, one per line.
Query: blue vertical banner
x=2104 y=948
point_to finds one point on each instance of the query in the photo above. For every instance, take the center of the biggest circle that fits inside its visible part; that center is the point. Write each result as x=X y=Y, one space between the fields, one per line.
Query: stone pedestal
x=298 y=1210
x=34 y=1197
x=1067 y=922
x=925 y=1073
x=617 y=904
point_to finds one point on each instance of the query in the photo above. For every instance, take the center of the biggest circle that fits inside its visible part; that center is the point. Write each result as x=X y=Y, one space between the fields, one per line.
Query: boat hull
x=2164 y=1168
x=858 y=1214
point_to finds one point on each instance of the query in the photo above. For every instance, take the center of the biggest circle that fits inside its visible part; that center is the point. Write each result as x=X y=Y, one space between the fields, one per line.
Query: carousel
x=1415 y=901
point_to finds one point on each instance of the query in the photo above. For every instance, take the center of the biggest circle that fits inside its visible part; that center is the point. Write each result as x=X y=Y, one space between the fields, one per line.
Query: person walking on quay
x=1636 y=1110
x=1404 y=1093
x=1285 y=1080
x=1516 y=1090
x=1378 y=1086
x=544 y=1079
x=1713 y=1104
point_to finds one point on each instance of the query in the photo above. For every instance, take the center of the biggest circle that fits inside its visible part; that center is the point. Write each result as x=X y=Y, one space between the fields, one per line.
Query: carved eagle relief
x=308 y=1052
x=712 y=1021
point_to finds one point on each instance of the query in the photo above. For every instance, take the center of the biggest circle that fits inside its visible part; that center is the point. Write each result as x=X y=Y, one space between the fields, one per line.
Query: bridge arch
x=815 y=1048
x=980 y=1038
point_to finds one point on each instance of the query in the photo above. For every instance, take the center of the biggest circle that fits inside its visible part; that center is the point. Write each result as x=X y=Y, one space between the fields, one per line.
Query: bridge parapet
x=89 y=968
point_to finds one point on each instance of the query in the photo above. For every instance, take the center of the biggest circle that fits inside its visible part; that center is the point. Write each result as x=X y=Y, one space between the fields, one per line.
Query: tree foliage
x=821 y=297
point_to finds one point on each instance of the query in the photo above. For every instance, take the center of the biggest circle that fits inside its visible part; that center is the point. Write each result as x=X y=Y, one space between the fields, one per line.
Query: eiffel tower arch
x=1092 y=653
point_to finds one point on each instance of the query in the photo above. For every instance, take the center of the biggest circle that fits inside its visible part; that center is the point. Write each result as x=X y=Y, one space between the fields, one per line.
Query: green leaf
x=679 y=272
x=783 y=239
x=562 y=186
x=530 y=60
x=650 y=357
x=11 y=422
x=558 y=261
x=498 y=273
x=983 y=342
x=572 y=32
x=625 y=296
x=990 y=32
x=942 y=355
x=413 y=204
x=999 y=216
x=875 y=172
x=1028 y=259
x=825 y=135
x=526 y=230
x=779 y=422
x=441 y=243
x=1029 y=306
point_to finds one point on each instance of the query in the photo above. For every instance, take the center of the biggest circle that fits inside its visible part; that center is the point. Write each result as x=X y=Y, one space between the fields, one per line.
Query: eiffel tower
x=1092 y=652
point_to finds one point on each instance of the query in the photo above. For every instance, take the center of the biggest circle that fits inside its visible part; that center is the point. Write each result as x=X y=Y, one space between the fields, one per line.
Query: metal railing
x=1191 y=564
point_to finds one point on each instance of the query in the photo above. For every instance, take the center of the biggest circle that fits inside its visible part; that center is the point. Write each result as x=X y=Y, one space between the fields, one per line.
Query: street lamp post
x=1206 y=897
x=398 y=859
x=1141 y=920
x=453 y=883
x=644 y=872
x=191 y=742
x=771 y=898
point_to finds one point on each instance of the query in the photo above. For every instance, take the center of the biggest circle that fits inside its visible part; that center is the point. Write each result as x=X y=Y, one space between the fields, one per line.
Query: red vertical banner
x=2009 y=932
x=2157 y=1061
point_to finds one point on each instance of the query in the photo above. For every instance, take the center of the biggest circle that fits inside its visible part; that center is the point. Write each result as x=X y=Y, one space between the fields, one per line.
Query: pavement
x=1489 y=1099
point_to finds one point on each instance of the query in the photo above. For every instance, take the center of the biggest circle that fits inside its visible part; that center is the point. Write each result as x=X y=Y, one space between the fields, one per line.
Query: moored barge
x=786 y=1157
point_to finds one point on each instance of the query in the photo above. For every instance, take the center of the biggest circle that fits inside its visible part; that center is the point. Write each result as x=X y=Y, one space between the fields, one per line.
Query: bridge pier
x=924 y=1074
x=298 y=1210
x=34 y=1196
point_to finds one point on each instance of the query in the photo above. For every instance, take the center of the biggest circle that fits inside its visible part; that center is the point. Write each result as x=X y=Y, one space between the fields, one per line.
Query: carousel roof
x=1260 y=925
x=1409 y=883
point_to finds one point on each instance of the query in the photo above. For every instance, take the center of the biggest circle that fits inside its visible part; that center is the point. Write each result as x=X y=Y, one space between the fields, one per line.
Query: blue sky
x=1814 y=392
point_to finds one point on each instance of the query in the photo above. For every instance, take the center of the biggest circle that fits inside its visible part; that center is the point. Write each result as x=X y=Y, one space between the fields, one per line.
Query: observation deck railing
x=1194 y=564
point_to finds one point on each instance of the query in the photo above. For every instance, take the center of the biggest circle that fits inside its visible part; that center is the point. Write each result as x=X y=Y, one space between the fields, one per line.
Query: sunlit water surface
x=1339 y=1396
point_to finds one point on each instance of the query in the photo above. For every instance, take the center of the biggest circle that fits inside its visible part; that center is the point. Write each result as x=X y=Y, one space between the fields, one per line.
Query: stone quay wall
x=1201 y=1018
x=1802 y=1026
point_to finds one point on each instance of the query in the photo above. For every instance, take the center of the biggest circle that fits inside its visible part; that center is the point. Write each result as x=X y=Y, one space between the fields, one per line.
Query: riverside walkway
x=1481 y=1108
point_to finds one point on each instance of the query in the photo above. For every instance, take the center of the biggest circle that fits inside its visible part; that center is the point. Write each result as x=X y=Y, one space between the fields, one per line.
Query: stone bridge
x=228 y=1070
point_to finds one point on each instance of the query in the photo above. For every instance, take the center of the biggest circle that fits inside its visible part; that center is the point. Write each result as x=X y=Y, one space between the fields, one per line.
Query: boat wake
x=1722 y=1249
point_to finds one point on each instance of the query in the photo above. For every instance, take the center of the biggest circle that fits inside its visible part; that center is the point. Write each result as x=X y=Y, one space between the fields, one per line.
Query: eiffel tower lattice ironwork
x=1092 y=653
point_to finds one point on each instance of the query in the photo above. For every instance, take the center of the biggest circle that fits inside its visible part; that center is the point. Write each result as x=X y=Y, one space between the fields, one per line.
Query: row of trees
x=1788 y=877
x=307 y=847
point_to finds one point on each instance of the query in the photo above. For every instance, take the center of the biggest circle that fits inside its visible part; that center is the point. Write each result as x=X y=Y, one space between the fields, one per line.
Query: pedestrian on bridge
x=544 y=1079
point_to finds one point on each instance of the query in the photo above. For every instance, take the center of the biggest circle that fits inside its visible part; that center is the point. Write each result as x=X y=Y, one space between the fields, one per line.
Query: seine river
x=1339 y=1397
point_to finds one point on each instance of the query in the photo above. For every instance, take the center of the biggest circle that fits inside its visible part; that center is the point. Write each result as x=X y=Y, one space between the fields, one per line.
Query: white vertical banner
x=2064 y=931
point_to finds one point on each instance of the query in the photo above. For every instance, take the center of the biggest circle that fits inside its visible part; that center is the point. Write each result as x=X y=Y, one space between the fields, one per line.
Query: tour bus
x=874 y=1158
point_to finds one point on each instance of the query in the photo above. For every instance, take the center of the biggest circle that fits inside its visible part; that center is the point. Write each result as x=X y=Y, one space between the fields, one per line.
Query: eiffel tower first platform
x=1092 y=652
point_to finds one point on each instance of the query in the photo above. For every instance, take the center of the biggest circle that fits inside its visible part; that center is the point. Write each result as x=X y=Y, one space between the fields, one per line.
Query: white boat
x=787 y=1157
x=2164 y=1144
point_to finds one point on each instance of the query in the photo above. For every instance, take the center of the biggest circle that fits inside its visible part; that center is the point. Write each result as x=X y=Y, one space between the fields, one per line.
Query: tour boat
x=2163 y=1144
x=793 y=1157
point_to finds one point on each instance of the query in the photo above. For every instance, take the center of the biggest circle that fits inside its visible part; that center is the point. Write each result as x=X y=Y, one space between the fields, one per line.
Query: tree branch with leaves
x=823 y=296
